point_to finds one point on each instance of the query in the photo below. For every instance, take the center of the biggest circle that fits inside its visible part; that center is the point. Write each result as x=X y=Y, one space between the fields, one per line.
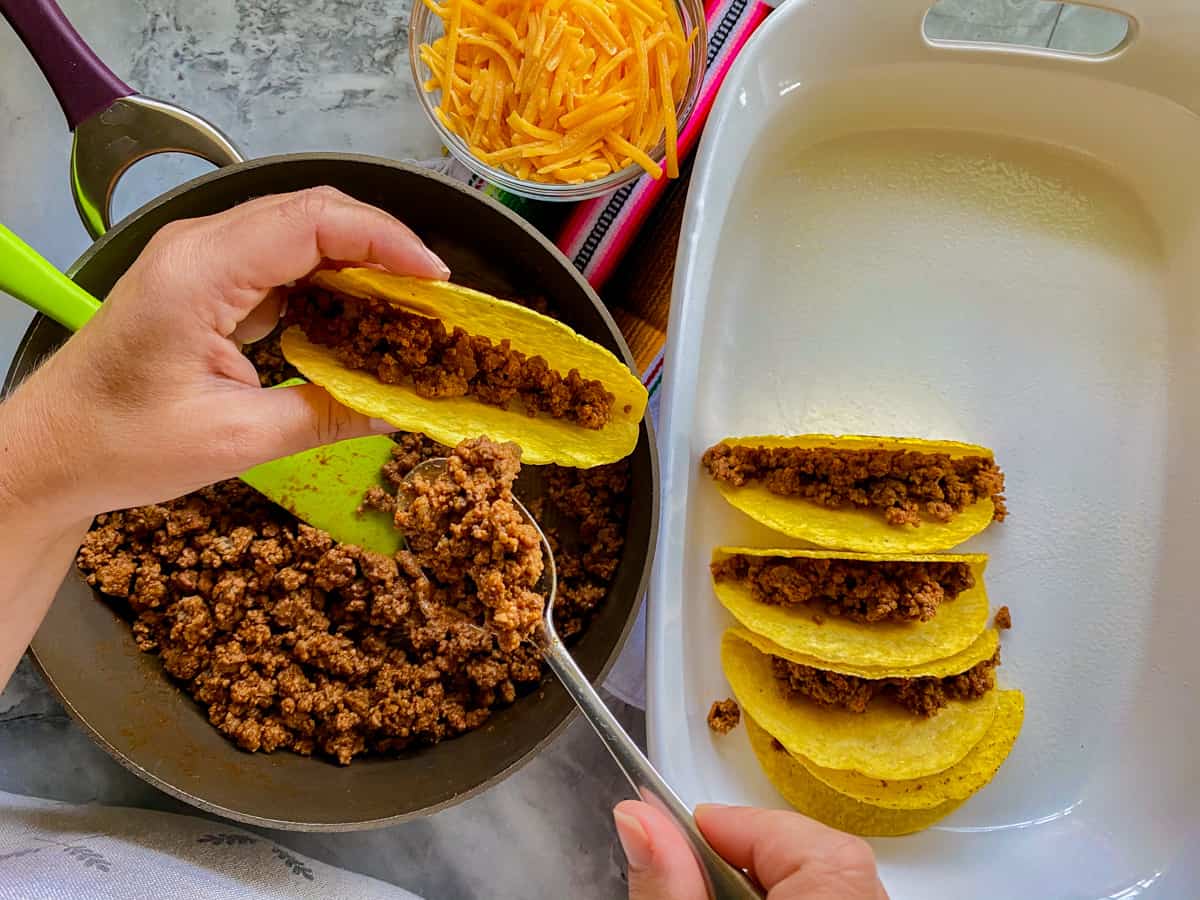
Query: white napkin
x=56 y=851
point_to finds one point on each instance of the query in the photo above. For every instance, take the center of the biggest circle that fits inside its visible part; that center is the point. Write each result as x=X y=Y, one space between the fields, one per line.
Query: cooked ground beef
x=292 y=641
x=467 y=532
x=1003 y=619
x=850 y=589
x=903 y=484
x=582 y=512
x=921 y=696
x=724 y=715
x=401 y=347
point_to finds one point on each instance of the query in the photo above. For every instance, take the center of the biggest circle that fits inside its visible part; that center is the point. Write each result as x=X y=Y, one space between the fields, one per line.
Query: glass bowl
x=424 y=28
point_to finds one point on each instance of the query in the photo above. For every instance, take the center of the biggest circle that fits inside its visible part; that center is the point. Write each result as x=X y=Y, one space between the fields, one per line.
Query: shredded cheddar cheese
x=564 y=91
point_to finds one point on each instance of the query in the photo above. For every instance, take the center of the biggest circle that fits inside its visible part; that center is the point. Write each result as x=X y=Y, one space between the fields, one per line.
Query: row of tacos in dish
x=865 y=667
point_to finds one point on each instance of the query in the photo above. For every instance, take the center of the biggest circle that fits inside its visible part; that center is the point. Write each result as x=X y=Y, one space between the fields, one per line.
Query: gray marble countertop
x=287 y=75
x=280 y=76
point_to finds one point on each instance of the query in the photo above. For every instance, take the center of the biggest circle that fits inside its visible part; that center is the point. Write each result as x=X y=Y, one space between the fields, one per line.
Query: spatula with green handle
x=322 y=487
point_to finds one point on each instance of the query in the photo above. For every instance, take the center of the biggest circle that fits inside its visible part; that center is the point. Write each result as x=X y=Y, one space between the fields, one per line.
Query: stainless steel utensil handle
x=724 y=881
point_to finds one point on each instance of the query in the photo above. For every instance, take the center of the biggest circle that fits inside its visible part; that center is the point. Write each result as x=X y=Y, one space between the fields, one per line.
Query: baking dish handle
x=1156 y=55
x=114 y=127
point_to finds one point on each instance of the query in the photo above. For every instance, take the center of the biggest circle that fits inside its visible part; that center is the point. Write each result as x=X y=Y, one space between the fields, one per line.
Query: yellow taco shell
x=885 y=742
x=983 y=648
x=856 y=529
x=450 y=420
x=819 y=801
x=956 y=783
x=840 y=642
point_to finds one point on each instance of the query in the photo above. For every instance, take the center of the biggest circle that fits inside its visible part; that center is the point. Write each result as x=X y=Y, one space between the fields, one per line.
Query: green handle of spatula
x=30 y=277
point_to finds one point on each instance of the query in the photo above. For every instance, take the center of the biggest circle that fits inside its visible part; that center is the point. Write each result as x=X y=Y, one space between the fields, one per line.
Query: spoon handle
x=724 y=881
x=28 y=276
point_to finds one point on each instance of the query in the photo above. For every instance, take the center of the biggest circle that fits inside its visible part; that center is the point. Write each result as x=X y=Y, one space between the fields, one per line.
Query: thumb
x=293 y=419
x=661 y=864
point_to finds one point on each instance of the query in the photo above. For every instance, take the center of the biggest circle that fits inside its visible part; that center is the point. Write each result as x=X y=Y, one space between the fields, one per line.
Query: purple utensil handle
x=82 y=83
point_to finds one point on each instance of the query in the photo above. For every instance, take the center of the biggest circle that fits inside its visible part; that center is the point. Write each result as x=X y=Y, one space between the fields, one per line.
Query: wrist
x=39 y=485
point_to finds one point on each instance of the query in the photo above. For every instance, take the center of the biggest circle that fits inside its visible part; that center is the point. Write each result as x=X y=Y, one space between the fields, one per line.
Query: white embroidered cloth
x=56 y=851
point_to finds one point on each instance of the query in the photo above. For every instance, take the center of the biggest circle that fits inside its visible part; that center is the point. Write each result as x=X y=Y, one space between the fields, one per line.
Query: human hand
x=153 y=399
x=790 y=855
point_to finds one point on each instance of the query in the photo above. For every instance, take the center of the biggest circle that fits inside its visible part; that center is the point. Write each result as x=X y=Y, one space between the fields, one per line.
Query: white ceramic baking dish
x=990 y=244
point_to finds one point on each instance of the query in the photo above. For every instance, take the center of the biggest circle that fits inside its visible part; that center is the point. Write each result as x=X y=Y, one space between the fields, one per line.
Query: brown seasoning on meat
x=862 y=591
x=724 y=716
x=904 y=484
x=292 y=641
x=468 y=534
x=399 y=347
x=920 y=696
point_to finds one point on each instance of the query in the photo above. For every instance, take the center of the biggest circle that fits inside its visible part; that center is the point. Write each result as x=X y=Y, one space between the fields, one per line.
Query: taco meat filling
x=291 y=641
x=724 y=715
x=920 y=696
x=903 y=484
x=887 y=591
x=399 y=347
x=463 y=527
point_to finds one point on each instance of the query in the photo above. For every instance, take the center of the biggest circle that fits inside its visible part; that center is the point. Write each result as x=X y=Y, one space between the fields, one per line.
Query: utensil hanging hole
x=1074 y=29
x=148 y=178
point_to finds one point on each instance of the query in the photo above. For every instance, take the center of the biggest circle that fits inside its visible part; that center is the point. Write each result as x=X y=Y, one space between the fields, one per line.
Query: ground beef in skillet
x=291 y=641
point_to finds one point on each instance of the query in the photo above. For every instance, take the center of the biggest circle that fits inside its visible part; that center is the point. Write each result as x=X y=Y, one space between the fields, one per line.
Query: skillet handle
x=133 y=128
x=82 y=83
x=114 y=126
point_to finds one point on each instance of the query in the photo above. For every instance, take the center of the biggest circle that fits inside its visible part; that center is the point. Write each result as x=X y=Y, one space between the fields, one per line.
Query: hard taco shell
x=449 y=420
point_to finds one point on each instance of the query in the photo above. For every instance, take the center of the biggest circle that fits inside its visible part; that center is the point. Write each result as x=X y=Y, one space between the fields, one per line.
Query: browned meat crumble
x=724 y=716
x=291 y=641
x=400 y=347
x=920 y=696
x=1003 y=619
x=852 y=589
x=465 y=529
x=903 y=484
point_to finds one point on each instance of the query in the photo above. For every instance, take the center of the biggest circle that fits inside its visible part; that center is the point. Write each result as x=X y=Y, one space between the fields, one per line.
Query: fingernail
x=634 y=840
x=379 y=426
x=437 y=261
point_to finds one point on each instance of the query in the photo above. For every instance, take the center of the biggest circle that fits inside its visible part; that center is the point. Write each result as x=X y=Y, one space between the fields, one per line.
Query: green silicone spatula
x=322 y=487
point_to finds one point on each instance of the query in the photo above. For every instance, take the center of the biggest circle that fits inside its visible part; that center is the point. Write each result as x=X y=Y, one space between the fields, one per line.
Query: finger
x=278 y=239
x=261 y=320
x=235 y=257
x=661 y=864
x=271 y=423
x=785 y=848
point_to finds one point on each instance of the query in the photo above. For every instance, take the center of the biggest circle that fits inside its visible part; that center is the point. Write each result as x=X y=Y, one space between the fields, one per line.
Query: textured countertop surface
x=287 y=75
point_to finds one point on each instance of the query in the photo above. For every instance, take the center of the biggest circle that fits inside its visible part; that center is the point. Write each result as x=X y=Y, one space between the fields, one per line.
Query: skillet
x=85 y=650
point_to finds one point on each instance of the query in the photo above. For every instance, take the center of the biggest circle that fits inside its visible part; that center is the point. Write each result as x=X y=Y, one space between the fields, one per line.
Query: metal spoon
x=724 y=882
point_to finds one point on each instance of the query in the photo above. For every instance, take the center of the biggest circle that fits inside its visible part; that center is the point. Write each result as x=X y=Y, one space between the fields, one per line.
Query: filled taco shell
x=853 y=528
x=450 y=420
